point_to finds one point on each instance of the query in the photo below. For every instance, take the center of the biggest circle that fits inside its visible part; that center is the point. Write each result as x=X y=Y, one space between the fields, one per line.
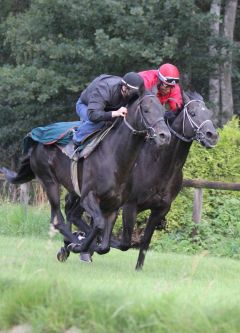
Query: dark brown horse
x=157 y=177
x=102 y=177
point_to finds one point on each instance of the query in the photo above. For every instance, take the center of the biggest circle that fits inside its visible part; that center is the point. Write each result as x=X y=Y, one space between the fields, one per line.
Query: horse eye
x=192 y=113
x=146 y=111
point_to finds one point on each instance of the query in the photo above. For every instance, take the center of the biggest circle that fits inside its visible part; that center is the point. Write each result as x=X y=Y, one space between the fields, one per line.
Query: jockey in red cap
x=165 y=80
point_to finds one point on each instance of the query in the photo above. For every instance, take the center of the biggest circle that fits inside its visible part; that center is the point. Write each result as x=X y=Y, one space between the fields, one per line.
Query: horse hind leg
x=57 y=219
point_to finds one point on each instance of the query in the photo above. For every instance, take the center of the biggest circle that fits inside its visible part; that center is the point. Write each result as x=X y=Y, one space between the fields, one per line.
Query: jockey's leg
x=86 y=127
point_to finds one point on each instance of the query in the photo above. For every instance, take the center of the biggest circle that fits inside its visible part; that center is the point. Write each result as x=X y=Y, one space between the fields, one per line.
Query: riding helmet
x=133 y=81
x=168 y=74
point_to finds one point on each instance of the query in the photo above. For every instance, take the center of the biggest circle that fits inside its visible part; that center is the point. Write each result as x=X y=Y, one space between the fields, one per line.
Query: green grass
x=174 y=293
x=19 y=220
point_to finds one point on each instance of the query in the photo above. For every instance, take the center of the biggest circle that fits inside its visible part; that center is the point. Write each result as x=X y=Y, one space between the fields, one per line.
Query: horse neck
x=180 y=151
x=178 y=148
x=174 y=157
x=125 y=147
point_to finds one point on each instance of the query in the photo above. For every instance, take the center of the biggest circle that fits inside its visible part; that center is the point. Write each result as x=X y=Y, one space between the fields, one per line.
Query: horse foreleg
x=153 y=221
x=129 y=215
x=74 y=212
x=91 y=205
x=109 y=224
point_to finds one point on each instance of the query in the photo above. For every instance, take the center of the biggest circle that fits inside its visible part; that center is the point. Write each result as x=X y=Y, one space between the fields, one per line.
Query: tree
x=220 y=83
x=214 y=81
x=226 y=68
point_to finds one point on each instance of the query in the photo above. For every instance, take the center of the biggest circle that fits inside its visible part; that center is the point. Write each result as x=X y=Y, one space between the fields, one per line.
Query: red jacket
x=173 y=99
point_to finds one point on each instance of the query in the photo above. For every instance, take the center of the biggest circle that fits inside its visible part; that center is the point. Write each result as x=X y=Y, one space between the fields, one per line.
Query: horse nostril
x=212 y=135
x=165 y=137
x=209 y=134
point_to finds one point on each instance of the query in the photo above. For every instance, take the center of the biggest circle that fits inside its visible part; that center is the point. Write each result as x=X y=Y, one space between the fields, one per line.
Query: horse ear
x=193 y=95
x=198 y=96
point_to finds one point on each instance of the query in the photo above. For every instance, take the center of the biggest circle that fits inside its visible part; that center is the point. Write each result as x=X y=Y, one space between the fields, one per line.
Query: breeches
x=86 y=126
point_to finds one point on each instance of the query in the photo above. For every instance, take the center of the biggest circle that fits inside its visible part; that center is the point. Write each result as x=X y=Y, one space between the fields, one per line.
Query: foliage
x=219 y=230
x=220 y=163
x=51 y=49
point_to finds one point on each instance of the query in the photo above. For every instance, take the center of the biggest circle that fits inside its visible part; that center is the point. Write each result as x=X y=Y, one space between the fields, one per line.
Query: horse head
x=145 y=117
x=194 y=122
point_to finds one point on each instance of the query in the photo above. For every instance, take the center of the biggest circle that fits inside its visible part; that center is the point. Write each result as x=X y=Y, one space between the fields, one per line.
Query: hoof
x=103 y=250
x=80 y=235
x=125 y=247
x=115 y=243
x=63 y=254
x=85 y=257
x=77 y=247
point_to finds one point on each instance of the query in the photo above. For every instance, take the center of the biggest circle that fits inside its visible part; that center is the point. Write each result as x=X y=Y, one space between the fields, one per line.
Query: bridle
x=148 y=130
x=198 y=134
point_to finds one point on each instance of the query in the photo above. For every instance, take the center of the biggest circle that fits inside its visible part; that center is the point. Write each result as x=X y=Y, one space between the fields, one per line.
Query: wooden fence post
x=197 y=208
x=197 y=205
x=24 y=194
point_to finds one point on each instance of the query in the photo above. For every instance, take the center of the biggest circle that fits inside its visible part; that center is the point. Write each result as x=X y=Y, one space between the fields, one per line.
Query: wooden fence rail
x=200 y=183
x=197 y=184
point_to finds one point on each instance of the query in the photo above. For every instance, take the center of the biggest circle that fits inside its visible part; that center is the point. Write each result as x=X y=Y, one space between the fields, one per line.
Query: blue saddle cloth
x=60 y=133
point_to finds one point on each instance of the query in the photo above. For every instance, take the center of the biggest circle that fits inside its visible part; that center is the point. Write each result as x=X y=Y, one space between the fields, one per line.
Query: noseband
x=198 y=134
x=149 y=131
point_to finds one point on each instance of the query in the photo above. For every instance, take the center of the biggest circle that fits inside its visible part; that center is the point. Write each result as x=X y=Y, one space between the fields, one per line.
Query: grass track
x=174 y=293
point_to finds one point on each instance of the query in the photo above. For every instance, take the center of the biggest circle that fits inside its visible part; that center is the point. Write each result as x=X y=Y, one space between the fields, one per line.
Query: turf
x=173 y=293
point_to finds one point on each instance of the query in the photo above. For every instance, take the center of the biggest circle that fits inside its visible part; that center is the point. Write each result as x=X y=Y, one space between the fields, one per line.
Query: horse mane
x=119 y=120
x=190 y=95
x=135 y=97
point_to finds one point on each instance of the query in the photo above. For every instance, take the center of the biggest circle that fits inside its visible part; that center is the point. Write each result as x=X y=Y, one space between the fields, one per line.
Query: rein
x=197 y=129
x=149 y=131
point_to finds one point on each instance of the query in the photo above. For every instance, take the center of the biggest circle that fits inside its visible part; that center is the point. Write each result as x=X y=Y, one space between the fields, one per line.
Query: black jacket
x=102 y=96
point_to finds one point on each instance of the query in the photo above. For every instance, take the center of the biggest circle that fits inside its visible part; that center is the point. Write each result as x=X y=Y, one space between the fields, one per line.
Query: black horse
x=157 y=176
x=102 y=177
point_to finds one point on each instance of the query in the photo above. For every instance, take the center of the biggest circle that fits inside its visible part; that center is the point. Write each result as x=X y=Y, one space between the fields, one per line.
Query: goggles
x=167 y=80
x=171 y=80
x=129 y=86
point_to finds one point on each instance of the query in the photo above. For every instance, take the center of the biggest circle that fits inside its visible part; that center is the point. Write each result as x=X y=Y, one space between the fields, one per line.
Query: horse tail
x=24 y=174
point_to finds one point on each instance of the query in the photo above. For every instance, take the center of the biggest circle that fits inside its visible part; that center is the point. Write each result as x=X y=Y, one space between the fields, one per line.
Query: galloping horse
x=102 y=177
x=157 y=177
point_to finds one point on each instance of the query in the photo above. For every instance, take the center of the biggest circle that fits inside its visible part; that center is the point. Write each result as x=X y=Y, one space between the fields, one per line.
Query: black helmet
x=134 y=82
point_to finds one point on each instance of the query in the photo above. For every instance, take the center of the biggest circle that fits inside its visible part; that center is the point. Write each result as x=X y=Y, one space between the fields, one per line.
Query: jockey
x=104 y=99
x=164 y=82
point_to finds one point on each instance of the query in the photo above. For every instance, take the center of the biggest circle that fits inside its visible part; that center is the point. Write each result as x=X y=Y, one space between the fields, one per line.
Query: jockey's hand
x=122 y=112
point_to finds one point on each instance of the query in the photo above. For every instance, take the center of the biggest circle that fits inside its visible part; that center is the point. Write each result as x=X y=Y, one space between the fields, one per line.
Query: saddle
x=87 y=146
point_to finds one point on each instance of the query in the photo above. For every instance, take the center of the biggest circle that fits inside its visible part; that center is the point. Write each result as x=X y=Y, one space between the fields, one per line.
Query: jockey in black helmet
x=104 y=99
